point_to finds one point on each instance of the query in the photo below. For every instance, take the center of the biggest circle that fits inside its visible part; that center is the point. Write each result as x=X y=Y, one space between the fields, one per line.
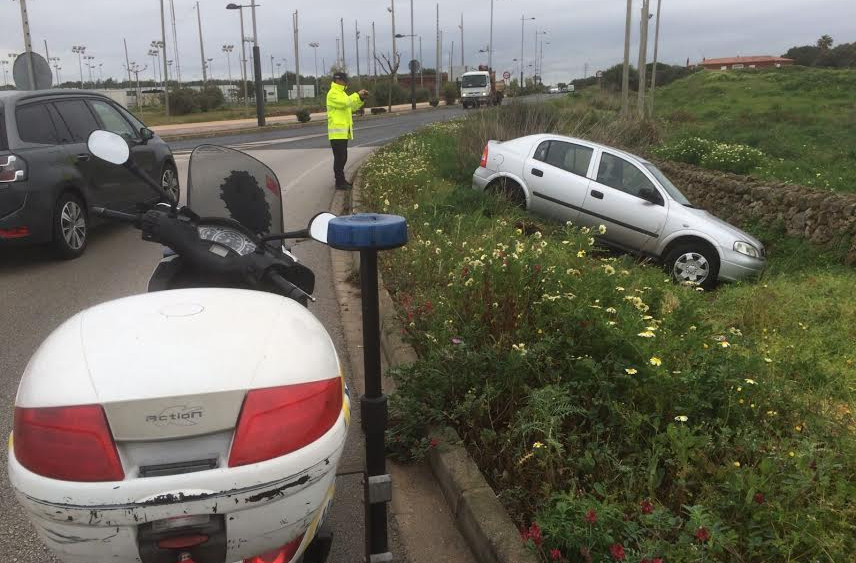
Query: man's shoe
x=344 y=186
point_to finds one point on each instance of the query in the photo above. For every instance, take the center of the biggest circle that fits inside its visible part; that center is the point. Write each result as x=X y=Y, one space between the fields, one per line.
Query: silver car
x=570 y=179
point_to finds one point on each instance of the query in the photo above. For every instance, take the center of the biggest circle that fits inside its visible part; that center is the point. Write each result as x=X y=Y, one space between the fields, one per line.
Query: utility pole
x=165 y=72
x=127 y=64
x=342 y=26
x=315 y=46
x=463 y=66
x=295 y=18
x=643 y=55
x=47 y=53
x=357 y=36
x=451 y=58
x=175 y=42
x=374 y=49
x=410 y=63
x=625 y=78
x=490 y=44
x=201 y=47
x=339 y=53
x=523 y=20
x=654 y=69
x=257 y=70
x=368 y=54
x=79 y=50
x=394 y=51
x=421 y=66
x=28 y=47
x=437 y=57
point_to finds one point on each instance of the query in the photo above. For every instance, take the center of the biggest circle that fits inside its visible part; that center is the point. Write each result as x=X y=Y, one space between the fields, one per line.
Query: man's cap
x=343 y=76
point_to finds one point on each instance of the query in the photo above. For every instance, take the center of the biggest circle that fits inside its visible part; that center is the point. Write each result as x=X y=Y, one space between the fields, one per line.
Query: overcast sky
x=580 y=32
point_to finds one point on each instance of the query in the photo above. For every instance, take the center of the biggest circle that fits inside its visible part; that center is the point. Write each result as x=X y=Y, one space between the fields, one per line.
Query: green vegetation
x=617 y=415
x=155 y=116
x=803 y=119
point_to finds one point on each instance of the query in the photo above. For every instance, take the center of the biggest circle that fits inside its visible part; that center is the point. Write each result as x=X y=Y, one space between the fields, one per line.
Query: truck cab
x=479 y=87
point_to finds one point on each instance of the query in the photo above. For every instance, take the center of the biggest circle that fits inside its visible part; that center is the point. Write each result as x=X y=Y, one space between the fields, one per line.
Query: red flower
x=555 y=554
x=647 y=507
x=535 y=533
x=537 y=268
x=702 y=534
x=434 y=442
x=591 y=517
x=617 y=551
x=759 y=498
x=524 y=534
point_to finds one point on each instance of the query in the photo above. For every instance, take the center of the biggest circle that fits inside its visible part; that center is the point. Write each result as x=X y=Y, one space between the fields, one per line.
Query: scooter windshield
x=224 y=182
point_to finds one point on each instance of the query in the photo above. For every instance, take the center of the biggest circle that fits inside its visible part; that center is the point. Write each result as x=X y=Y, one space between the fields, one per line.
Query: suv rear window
x=35 y=124
x=77 y=116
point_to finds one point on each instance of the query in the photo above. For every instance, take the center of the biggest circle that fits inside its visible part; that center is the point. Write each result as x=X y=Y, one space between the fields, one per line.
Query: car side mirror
x=651 y=195
x=108 y=146
x=146 y=134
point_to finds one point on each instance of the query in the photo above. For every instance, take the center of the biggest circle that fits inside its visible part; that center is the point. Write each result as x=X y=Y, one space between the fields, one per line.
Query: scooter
x=203 y=421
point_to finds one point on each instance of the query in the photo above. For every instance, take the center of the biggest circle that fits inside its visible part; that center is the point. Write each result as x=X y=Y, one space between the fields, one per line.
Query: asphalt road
x=39 y=293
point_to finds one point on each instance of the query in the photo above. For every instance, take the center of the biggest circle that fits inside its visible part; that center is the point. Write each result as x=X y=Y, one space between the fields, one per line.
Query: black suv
x=48 y=179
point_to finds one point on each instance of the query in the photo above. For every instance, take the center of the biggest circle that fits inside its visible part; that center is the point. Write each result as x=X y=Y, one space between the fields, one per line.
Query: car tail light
x=67 y=443
x=15 y=232
x=483 y=162
x=281 y=555
x=12 y=168
x=279 y=420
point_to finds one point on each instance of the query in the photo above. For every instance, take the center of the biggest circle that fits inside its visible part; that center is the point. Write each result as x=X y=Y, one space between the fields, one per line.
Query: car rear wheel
x=169 y=181
x=71 y=226
x=695 y=264
x=508 y=189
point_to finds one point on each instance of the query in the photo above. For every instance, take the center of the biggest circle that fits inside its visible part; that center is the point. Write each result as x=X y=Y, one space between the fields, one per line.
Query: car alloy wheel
x=72 y=224
x=691 y=267
x=169 y=182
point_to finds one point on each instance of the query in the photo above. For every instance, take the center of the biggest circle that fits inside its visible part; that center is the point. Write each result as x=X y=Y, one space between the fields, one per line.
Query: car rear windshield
x=667 y=185
x=474 y=81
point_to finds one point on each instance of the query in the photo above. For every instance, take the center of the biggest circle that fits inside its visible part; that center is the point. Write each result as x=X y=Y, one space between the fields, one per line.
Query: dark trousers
x=340 y=158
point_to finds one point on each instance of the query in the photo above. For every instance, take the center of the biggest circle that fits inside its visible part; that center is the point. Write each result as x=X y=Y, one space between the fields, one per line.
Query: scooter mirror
x=319 y=225
x=108 y=146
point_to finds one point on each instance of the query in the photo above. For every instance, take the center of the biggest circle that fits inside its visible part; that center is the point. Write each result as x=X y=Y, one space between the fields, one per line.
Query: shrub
x=210 y=98
x=450 y=94
x=423 y=94
x=739 y=159
x=379 y=95
x=690 y=150
x=434 y=102
x=303 y=115
x=183 y=101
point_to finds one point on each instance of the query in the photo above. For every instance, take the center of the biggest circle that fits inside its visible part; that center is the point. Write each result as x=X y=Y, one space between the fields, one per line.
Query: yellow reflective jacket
x=340 y=107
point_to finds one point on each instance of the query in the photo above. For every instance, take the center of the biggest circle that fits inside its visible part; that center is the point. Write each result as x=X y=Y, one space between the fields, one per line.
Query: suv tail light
x=281 y=555
x=483 y=162
x=67 y=443
x=12 y=168
x=279 y=420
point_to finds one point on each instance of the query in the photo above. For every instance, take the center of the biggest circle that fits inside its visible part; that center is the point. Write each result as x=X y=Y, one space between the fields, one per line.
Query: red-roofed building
x=734 y=63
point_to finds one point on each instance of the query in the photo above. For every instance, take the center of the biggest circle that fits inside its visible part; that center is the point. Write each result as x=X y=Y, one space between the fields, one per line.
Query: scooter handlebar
x=117 y=215
x=291 y=291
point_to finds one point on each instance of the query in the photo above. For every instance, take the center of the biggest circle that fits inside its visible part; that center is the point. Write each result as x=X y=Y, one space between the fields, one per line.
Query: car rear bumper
x=25 y=215
x=264 y=505
x=481 y=178
x=736 y=267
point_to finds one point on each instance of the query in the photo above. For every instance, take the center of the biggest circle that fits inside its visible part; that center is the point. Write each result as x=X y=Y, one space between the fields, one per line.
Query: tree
x=825 y=42
x=389 y=67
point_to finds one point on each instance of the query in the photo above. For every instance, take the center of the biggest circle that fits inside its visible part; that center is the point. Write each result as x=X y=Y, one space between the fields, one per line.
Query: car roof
x=18 y=95
x=544 y=136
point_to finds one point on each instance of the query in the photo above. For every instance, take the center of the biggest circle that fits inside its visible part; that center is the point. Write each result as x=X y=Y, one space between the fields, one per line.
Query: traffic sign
x=506 y=75
x=41 y=71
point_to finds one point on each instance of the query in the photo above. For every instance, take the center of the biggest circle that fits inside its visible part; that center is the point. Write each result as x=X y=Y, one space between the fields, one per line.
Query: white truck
x=480 y=88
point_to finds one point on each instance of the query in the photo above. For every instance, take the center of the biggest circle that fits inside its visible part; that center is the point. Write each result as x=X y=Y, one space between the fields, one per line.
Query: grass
x=153 y=117
x=802 y=119
x=618 y=415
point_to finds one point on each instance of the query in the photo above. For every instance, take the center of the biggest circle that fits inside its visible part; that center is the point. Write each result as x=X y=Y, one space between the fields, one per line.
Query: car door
x=556 y=176
x=102 y=180
x=133 y=189
x=617 y=200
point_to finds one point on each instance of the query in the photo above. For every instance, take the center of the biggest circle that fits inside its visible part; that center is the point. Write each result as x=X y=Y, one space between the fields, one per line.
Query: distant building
x=736 y=63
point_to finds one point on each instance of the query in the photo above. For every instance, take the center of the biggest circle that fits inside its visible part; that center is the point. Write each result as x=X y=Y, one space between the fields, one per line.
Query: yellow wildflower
x=681 y=418
x=655 y=361
x=736 y=464
x=537 y=445
x=646 y=334
x=631 y=371
x=581 y=253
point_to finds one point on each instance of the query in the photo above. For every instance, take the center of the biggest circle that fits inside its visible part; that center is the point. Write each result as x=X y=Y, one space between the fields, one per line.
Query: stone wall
x=824 y=218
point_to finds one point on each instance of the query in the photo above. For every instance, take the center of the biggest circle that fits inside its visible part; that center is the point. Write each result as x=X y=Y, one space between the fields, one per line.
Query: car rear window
x=77 y=117
x=35 y=124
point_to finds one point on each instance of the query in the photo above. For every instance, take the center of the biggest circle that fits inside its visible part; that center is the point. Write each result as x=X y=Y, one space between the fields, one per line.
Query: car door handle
x=82 y=157
x=597 y=194
x=536 y=172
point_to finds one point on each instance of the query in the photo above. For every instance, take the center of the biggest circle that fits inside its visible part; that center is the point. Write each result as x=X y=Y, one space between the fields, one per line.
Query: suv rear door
x=108 y=184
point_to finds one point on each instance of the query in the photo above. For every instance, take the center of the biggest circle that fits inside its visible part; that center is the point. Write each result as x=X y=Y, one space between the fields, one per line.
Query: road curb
x=480 y=517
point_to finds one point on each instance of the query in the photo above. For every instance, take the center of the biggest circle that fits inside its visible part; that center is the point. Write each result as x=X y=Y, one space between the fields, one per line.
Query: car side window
x=35 y=125
x=62 y=131
x=136 y=123
x=78 y=118
x=541 y=151
x=569 y=157
x=617 y=173
x=112 y=120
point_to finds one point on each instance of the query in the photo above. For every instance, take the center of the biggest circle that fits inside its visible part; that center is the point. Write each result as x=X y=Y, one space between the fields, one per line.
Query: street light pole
x=28 y=46
x=79 y=49
x=391 y=9
x=342 y=29
x=295 y=19
x=257 y=70
x=228 y=50
x=412 y=58
x=357 y=41
x=654 y=69
x=625 y=78
x=374 y=49
x=201 y=47
x=315 y=46
x=643 y=55
x=463 y=65
x=523 y=20
x=175 y=42
x=165 y=72
x=490 y=44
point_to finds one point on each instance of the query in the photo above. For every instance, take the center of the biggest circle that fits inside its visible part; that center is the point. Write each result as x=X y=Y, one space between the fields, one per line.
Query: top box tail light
x=279 y=420
x=67 y=443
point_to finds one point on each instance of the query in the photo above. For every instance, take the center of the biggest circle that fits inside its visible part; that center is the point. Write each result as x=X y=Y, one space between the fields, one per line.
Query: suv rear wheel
x=693 y=263
x=70 y=226
x=169 y=181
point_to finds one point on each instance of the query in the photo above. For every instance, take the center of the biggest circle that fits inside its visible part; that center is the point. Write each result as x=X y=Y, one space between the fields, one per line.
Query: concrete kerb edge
x=482 y=520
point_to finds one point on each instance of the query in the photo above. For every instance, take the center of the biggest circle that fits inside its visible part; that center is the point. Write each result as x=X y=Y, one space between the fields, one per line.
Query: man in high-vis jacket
x=340 y=123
